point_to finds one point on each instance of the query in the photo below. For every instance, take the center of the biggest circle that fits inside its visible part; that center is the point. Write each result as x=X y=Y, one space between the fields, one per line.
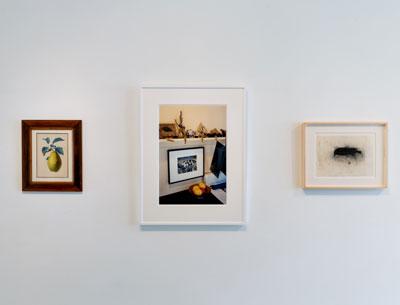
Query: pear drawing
x=54 y=162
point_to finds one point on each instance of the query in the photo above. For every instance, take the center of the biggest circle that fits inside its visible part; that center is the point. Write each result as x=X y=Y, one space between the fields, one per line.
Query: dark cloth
x=218 y=163
x=185 y=197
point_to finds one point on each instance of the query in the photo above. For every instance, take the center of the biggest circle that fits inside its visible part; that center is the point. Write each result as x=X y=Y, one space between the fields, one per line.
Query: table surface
x=185 y=197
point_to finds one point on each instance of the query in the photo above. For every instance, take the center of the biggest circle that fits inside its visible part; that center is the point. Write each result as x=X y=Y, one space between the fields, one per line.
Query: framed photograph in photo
x=185 y=164
x=52 y=155
x=344 y=155
x=196 y=177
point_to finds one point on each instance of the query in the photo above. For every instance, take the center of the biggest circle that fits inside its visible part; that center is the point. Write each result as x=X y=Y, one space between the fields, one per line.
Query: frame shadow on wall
x=193 y=228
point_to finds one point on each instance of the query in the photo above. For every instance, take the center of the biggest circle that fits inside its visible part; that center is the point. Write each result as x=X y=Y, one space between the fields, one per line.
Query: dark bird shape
x=347 y=151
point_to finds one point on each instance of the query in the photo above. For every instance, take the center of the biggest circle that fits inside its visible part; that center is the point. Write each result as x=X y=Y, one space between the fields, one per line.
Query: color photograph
x=193 y=161
x=192 y=154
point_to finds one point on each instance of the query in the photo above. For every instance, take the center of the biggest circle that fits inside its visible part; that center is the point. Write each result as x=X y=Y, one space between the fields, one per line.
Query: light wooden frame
x=384 y=183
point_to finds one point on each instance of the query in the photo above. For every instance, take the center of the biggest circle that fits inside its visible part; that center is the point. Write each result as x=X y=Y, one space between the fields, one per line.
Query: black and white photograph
x=187 y=164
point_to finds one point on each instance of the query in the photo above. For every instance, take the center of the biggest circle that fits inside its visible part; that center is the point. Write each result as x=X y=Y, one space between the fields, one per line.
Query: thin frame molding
x=306 y=186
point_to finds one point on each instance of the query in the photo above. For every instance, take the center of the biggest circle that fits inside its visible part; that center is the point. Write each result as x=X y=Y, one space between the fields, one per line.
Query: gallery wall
x=299 y=60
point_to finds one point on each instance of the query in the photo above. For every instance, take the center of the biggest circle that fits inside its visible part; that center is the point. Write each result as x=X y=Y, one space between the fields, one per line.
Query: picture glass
x=52 y=156
x=345 y=155
x=193 y=156
x=192 y=164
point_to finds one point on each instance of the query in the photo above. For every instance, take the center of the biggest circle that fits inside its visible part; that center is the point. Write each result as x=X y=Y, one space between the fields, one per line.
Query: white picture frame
x=345 y=155
x=231 y=213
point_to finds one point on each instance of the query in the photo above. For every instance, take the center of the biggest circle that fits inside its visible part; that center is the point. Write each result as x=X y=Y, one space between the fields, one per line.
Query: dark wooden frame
x=27 y=184
x=189 y=148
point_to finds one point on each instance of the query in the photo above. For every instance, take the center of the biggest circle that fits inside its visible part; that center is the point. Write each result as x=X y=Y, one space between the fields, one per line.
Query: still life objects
x=201 y=131
x=199 y=190
x=190 y=133
x=214 y=133
x=179 y=130
x=180 y=127
x=167 y=130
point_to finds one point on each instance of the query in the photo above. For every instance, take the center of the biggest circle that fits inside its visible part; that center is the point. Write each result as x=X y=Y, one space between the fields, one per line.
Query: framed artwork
x=196 y=177
x=52 y=155
x=185 y=164
x=344 y=155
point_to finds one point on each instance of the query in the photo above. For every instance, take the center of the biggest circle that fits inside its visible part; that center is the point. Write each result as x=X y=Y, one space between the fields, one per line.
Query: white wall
x=300 y=60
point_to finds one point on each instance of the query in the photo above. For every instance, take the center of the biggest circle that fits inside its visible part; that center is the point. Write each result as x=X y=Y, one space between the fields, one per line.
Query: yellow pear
x=54 y=162
x=197 y=191
x=202 y=186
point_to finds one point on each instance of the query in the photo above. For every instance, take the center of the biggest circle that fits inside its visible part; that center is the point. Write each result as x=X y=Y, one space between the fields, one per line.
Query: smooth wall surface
x=299 y=60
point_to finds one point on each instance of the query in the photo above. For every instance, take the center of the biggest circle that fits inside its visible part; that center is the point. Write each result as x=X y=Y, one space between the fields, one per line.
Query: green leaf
x=57 y=140
x=60 y=150
x=47 y=140
x=45 y=150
